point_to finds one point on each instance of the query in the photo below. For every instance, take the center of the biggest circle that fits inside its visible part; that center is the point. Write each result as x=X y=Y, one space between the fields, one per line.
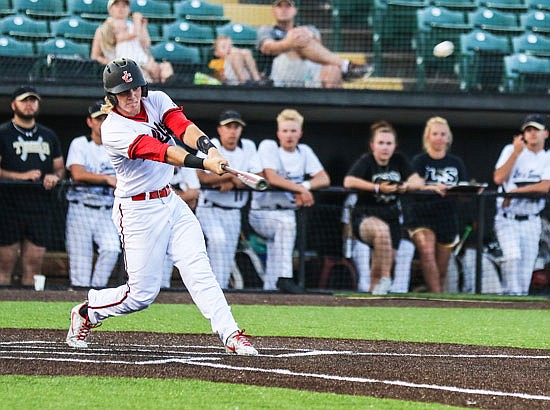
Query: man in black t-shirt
x=28 y=152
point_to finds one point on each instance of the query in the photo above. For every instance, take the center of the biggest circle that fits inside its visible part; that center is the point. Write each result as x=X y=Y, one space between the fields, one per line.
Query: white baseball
x=444 y=49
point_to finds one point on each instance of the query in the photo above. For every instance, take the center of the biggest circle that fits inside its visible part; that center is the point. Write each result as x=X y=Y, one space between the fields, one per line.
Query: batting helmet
x=122 y=75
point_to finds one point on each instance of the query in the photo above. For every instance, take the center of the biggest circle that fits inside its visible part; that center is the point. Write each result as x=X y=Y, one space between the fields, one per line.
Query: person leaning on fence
x=294 y=168
x=294 y=56
x=120 y=37
x=219 y=209
x=90 y=207
x=379 y=176
x=522 y=167
x=28 y=152
x=433 y=219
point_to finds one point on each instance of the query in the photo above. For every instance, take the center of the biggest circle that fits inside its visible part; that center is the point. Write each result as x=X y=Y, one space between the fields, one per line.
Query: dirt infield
x=460 y=375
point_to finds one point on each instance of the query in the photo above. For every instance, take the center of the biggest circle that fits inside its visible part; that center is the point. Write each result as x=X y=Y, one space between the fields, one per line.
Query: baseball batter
x=219 y=211
x=523 y=167
x=90 y=207
x=151 y=220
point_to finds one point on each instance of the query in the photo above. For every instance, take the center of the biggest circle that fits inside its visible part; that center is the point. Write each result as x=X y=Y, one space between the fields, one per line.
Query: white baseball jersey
x=529 y=168
x=293 y=166
x=93 y=157
x=185 y=178
x=245 y=158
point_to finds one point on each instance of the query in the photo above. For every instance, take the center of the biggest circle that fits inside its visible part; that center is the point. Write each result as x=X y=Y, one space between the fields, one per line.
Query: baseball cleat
x=80 y=328
x=238 y=344
x=383 y=287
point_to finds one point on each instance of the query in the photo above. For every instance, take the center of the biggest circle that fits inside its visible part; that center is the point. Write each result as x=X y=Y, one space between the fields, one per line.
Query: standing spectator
x=219 y=211
x=28 y=152
x=523 y=167
x=294 y=56
x=138 y=135
x=119 y=37
x=90 y=207
x=376 y=218
x=234 y=65
x=295 y=169
x=433 y=223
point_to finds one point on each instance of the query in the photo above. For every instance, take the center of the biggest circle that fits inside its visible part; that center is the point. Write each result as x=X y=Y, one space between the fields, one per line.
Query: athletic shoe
x=238 y=344
x=287 y=285
x=383 y=287
x=79 y=331
x=358 y=71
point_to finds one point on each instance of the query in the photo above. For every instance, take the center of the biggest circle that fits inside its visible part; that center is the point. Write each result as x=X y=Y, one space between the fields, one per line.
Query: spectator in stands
x=90 y=207
x=233 y=65
x=523 y=167
x=119 y=36
x=295 y=170
x=294 y=56
x=28 y=152
x=219 y=211
x=433 y=222
x=379 y=176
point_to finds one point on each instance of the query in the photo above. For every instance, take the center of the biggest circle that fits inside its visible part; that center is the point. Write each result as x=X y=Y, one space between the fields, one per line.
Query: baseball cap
x=277 y=2
x=23 y=92
x=111 y=2
x=94 y=110
x=534 y=120
x=229 y=116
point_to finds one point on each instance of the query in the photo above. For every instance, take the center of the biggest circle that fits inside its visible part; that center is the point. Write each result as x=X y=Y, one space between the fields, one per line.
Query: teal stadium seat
x=481 y=60
x=88 y=9
x=17 y=59
x=155 y=11
x=63 y=46
x=11 y=47
x=241 y=34
x=539 y=4
x=456 y=5
x=6 y=8
x=200 y=12
x=510 y=6
x=495 y=21
x=74 y=28
x=434 y=25
x=186 y=60
x=526 y=74
x=188 y=33
x=532 y=44
x=537 y=21
x=41 y=9
x=24 y=28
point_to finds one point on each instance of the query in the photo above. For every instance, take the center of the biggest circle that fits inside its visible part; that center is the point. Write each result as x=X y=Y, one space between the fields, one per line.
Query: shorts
x=440 y=217
x=295 y=72
x=393 y=224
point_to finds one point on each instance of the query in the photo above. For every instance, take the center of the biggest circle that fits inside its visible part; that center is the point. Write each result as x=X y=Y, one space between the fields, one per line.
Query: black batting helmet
x=122 y=75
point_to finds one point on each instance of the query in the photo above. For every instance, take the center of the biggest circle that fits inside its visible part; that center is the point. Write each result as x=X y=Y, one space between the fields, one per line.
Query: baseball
x=444 y=49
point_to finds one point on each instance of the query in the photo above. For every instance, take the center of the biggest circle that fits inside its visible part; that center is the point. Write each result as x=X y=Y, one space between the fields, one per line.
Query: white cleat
x=238 y=344
x=79 y=331
x=383 y=287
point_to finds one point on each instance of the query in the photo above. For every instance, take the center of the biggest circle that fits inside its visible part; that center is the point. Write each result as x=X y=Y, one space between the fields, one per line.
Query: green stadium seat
x=11 y=47
x=241 y=34
x=532 y=44
x=6 y=8
x=496 y=22
x=434 y=25
x=24 y=28
x=526 y=74
x=537 y=21
x=62 y=46
x=88 y=9
x=188 y=33
x=200 y=12
x=74 y=28
x=155 y=32
x=539 y=4
x=456 y=5
x=481 y=60
x=155 y=11
x=186 y=60
x=510 y=6
x=18 y=61
x=41 y=9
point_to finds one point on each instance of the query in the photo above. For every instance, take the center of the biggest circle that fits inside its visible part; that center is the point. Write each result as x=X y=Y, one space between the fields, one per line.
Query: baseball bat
x=251 y=180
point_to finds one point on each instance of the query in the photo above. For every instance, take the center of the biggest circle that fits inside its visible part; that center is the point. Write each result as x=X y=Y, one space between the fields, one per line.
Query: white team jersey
x=245 y=158
x=185 y=178
x=529 y=168
x=93 y=157
x=118 y=133
x=293 y=166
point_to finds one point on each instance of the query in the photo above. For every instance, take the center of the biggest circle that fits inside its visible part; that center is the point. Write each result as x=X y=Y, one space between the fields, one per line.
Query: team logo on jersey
x=127 y=77
x=24 y=148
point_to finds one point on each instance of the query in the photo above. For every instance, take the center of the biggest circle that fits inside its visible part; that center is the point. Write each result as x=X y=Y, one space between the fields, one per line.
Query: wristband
x=306 y=185
x=204 y=144
x=376 y=188
x=191 y=161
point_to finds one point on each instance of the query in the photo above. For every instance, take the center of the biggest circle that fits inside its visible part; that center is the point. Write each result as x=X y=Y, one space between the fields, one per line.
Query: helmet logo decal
x=127 y=77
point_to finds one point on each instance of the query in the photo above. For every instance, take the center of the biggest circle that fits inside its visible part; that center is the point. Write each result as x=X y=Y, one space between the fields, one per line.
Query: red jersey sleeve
x=176 y=120
x=147 y=147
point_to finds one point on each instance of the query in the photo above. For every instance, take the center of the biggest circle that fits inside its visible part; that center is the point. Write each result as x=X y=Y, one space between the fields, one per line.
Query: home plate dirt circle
x=481 y=377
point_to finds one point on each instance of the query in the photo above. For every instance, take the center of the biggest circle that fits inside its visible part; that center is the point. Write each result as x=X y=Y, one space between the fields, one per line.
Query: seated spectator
x=120 y=37
x=294 y=56
x=234 y=65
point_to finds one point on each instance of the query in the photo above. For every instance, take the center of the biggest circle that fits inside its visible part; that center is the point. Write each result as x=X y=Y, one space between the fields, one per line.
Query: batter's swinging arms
x=152 y=221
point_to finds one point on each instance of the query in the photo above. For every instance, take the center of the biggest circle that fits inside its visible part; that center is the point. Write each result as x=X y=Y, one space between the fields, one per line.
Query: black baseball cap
x=229 y=116
x=94 y=110
x=534 y=120
x=23 y=92
x=291 y=2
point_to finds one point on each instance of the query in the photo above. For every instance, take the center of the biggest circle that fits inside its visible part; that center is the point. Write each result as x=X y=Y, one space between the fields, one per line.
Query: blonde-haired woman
x=433 y=221
x=119 y=37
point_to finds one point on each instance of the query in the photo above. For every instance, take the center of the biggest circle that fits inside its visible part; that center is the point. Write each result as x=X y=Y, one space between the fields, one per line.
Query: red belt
x=161 y=193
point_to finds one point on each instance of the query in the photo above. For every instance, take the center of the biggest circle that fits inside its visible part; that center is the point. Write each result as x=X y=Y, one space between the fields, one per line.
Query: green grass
x=72 y=393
